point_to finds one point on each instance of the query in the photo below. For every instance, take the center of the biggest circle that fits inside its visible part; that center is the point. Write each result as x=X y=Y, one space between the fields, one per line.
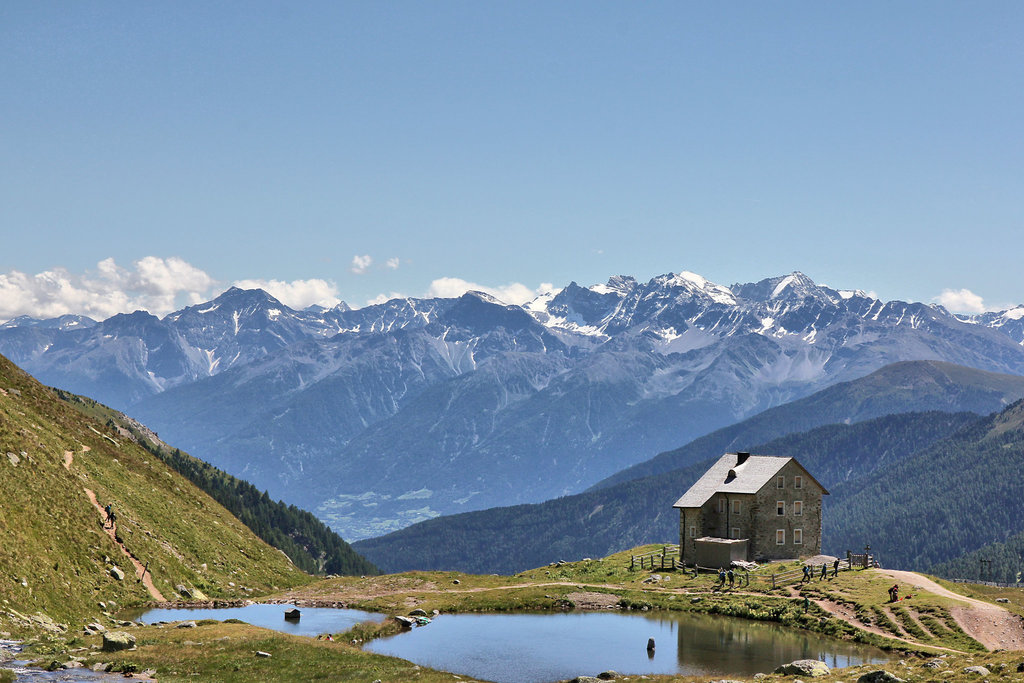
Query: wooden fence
x=666 y=558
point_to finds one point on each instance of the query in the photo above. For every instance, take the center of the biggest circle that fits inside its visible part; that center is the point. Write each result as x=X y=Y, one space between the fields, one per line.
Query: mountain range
x=383 y=416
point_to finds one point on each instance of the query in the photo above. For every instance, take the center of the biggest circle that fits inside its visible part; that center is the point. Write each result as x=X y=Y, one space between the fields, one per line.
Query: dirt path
x=990 y=625
x=141 y=572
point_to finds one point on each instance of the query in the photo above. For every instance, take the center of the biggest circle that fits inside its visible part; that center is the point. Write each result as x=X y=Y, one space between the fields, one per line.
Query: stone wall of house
x=801 y=533
x=758 y=518
x=718 y=518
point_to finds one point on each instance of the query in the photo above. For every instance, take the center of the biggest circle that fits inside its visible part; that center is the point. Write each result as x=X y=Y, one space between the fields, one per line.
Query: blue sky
x=156 y=153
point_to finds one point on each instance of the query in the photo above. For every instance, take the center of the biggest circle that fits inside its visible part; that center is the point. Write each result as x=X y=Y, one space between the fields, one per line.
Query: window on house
x=798 y=482
x=735 y=532
x=780 y=537
x=780 y=507
x=798 y=507
x=735 y=507
x=780 y=482
x=693 y=532
x=798 y=536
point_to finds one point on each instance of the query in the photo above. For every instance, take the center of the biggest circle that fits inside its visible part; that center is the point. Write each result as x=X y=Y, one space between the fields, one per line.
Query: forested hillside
x=1002 y=562
x=597 y=523
x=897 y=388
x=952 y=498
x=307 y=541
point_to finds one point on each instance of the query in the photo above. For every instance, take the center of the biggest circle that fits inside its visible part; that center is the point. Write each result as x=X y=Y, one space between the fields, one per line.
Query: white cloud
x=393 y=263
x=961 y=301
x=384 y=298
x=512 y=293
x=297 y=294
x=361 y=263
x=154 y=284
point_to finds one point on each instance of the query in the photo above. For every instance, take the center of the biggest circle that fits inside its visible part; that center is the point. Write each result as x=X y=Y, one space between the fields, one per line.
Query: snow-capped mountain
x=385 y=415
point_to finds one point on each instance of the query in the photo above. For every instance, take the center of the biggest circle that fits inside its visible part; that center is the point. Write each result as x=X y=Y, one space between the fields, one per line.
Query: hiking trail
x=141 y=572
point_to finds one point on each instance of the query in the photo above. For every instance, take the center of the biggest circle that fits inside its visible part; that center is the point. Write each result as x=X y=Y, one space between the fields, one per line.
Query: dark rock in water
x=804 y=667
x=118 y=640
x=650 y=643
x=406 y=622
x=292 y=614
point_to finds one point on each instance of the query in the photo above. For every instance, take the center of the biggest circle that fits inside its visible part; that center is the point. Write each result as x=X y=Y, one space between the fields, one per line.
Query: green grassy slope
x=54 y=555
x=307 y=541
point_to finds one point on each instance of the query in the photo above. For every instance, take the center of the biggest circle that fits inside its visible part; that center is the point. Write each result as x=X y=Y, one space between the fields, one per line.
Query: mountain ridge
x=536 y=401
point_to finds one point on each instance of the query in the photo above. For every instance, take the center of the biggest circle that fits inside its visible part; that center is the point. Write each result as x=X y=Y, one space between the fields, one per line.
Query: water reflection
x=528 y=648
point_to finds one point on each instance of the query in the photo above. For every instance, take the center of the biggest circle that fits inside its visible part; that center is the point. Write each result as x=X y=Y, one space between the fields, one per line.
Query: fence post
x=773 y=581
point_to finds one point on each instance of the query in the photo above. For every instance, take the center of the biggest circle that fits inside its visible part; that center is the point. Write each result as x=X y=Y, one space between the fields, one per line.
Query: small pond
x=313 y=620
x=528 y=648
x=525 y=648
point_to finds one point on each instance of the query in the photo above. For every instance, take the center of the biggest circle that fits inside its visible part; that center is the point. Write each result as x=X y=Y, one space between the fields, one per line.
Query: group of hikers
x=723 y=575
x=809 y=571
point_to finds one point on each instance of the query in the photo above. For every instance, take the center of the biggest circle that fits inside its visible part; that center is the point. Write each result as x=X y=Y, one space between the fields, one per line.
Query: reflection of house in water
x=725 y=644
x=752 y=508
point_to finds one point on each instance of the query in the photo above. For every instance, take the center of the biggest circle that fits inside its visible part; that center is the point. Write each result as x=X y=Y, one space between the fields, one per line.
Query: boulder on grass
x=804 y=667
x=118 y=640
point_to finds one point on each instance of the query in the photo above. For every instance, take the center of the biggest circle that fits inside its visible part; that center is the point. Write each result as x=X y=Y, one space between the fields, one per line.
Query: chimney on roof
x=741 y=458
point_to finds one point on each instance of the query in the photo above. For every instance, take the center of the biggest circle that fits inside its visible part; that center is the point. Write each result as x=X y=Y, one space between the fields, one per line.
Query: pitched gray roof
x=749 y=477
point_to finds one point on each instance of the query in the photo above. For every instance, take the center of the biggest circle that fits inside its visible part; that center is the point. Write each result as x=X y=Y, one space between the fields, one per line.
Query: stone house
x=752 y=508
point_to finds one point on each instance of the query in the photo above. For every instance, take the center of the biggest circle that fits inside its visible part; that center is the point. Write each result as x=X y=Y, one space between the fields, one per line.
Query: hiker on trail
x=807 y=574
x=835 y=568
x=732 y=578
x=824 y=571
x=807 y=604
x=721 y=577
x=110 y=513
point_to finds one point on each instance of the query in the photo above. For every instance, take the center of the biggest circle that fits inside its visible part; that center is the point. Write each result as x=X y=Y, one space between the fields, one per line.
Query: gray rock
x=101 y=666
x=585 y=679
x=935 y=664
x=187 y=624
x=406 y=622
x=456 y=582
x=609 y=675
x=183 y=591
x=804 y=667
x=879 y=676
x=261 y=653
x=1002 y=599
x=94 y=628
x=417 y=613
x=118 y=640
x=977 y=670
x=117 y=573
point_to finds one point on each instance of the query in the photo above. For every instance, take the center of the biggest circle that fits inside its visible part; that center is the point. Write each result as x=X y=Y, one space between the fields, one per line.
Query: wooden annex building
x=752 y=508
